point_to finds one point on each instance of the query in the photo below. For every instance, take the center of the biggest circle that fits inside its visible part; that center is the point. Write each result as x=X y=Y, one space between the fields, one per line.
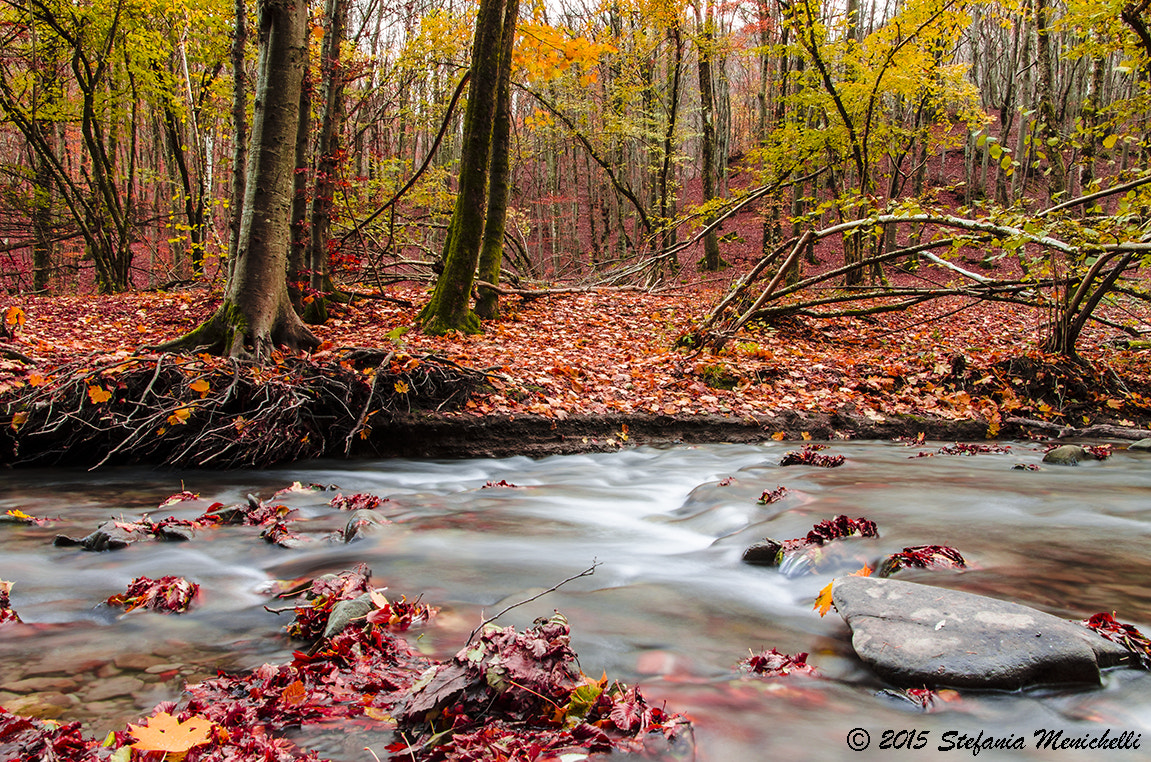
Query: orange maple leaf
x=98 y=394
x=823 y=600
x=165 y=733
x=295 y=694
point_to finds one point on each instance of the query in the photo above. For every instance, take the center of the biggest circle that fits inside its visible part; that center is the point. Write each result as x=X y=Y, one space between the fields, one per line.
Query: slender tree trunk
x=239 y=129
x=1048 y=122
x=491 y=251
x=449 y=308
x=711 y=258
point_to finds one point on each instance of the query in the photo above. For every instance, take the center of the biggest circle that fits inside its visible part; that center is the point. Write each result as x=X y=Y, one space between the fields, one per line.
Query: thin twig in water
x=585 y=573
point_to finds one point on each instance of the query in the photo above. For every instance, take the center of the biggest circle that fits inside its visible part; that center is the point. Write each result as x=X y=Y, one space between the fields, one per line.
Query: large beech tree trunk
x=256 y=314
x=449 y=308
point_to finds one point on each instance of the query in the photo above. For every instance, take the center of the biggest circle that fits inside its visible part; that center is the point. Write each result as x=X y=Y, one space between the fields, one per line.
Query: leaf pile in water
x=27 y=738
x=772 y=663
x=7 y=614
x=357 y=502
x=1101 y=452
x=169 y=595
x=321 y=597
x=770 y=496
x=507 y=687
x=965 y=448
x=922 y=557
x=1124 y=634
x=838 y=528
x=809 y=456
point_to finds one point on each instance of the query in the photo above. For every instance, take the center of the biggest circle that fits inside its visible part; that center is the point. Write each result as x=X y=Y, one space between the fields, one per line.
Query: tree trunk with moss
x=256 y=314
x=491 y=252
x=449 y=308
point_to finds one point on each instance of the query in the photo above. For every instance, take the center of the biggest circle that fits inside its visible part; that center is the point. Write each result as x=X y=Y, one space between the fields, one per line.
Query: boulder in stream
x=1067 y=455
x=1143 y=445
x=916 y=635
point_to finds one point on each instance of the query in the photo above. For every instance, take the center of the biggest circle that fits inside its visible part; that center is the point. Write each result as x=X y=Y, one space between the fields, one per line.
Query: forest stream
x=670 y=606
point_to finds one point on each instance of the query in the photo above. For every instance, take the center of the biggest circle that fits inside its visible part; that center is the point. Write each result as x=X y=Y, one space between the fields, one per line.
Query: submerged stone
x=1067 y=455
x=1143 y=445
x=916 y=635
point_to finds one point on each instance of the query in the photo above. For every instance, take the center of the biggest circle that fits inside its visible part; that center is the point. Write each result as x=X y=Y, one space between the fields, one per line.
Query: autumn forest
x=240 y=237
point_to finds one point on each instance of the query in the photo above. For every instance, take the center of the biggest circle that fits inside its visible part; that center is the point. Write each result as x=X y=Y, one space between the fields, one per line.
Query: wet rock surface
x=1067 y=455
x=914 y=635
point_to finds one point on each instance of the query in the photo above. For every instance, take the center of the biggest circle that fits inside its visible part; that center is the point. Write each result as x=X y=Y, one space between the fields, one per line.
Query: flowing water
x=670 y=605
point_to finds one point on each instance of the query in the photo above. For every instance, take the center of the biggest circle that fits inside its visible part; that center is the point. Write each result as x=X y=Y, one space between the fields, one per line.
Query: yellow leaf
x=401 y=387
x=179 y=417
x=16 y=513
x=823 y=600
x=864 y=572
x=18 y=419
x=98 y=394
x=167 y=734
x=779 y=436
x=200 y=385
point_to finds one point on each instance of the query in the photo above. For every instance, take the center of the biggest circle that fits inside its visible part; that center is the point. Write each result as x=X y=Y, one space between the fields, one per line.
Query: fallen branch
x=1099 y=430
x=585 y=573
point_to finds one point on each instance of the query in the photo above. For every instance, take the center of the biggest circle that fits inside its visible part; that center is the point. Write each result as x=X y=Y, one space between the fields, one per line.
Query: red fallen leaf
x=772 y=663
x=168 y=594
x=1125 y=635
x=179 y=497
x=922 y=557
x=770 y=496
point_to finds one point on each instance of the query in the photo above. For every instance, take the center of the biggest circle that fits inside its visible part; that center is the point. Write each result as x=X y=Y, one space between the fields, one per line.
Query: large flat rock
x=915 y=635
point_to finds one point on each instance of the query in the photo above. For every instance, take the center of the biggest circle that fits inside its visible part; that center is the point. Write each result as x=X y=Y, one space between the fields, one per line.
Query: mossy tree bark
x=449 y=308
x=492 y=250
x=256 y=314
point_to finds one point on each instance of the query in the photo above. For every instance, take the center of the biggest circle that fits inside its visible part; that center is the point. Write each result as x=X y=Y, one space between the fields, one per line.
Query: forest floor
x=580 y=371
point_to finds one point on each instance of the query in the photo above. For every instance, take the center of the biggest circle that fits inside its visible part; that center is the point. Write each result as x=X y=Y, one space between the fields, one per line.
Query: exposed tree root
x=187 y=411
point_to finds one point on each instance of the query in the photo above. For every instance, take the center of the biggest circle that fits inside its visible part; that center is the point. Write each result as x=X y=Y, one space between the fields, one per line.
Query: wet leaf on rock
x=922 y=557
x=1125 y=635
